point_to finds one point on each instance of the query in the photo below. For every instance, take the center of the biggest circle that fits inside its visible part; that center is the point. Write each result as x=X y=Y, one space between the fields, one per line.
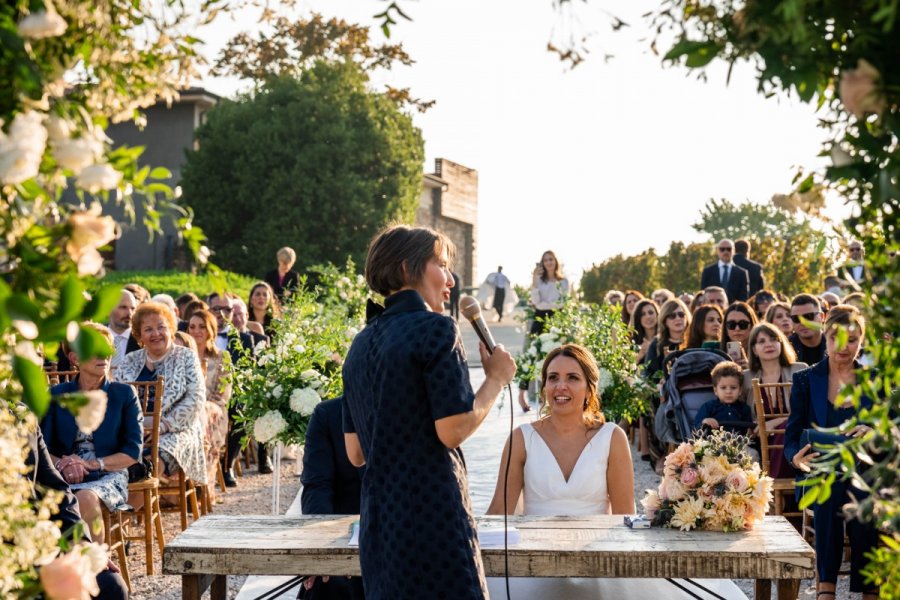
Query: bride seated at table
x=571 y=462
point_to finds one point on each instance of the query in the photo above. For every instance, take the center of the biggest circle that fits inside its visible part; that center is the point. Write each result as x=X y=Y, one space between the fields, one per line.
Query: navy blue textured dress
x=418 y=537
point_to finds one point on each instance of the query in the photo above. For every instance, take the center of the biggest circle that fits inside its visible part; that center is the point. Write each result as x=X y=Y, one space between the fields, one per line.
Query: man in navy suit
x=754 y=269
x=727 y=275
x=331 y=486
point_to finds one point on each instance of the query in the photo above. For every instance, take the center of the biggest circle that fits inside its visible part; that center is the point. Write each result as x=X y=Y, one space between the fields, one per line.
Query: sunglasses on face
x=764 y=298
x=676 y=315
x=808 y=316
x=725 y=249
x=221 y=309
x=742 y=325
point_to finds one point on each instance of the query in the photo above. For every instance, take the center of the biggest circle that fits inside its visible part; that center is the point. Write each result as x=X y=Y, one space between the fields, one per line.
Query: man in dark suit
x=331 y=486
x=754 y=269
x=237 y=344
x=727 y=275
x=855 y=269
x=111 y=584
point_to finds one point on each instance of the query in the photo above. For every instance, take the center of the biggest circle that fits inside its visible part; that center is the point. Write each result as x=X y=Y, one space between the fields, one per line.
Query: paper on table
x=491 y=536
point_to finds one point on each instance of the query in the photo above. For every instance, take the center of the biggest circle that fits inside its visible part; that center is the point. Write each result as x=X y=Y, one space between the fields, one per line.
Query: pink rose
x=859 y=90
x=67 y=578
x=690 y=477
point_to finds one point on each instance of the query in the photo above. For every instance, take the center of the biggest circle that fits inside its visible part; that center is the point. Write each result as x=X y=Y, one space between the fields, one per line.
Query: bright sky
x=611 y=157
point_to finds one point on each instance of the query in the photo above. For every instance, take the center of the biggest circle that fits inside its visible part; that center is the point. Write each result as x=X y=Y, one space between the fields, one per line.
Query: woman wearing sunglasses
x=739 y=320
x=674 y=322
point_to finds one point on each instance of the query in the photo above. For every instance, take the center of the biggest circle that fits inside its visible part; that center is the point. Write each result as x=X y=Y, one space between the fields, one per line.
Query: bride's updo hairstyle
x=592 y=414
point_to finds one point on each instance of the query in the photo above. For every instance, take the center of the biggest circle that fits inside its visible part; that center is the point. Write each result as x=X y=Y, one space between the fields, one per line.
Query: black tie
x=725 y=274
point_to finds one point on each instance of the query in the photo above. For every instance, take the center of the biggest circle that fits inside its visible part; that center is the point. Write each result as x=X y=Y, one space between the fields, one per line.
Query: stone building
x=449 y=204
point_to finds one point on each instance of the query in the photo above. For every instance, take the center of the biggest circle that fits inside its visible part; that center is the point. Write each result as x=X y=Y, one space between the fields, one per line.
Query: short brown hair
x=591 y=411
x=846 y=315
x=399 y=246
x=152 y=308
x=726 y=369
x=192 y=307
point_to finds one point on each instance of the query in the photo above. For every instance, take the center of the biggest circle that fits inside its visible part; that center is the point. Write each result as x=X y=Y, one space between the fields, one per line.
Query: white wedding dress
x=547 y=492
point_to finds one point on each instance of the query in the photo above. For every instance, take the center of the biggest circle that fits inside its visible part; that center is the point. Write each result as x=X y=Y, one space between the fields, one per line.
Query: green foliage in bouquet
x=280 y=385
x=599 y=328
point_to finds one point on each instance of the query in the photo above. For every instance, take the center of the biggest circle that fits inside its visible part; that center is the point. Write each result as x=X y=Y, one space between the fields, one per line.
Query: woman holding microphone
x=408 y=407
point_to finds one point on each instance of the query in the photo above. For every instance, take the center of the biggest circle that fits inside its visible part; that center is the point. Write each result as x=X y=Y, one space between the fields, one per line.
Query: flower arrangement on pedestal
x=280 y=385
x=710 y=483
x=623 y=392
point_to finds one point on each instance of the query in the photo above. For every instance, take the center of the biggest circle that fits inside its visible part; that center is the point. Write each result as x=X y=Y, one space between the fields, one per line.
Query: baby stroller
x=688 y=387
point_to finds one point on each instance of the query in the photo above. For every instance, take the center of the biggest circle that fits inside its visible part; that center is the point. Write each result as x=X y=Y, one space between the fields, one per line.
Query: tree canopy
x=318 y=163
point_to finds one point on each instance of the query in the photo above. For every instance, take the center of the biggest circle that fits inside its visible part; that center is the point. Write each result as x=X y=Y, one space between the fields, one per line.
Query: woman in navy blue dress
x=815 y=397
x=408 y=407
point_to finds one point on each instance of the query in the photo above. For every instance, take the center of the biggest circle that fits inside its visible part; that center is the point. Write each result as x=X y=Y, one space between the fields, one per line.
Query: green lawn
x=176 y=283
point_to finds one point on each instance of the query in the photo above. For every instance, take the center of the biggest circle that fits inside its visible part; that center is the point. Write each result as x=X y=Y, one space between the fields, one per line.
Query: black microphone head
x=470 y=307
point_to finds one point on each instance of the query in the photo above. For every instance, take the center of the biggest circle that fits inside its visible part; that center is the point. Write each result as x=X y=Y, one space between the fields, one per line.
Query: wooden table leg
x=788 y=589
x=219 y=589
x=193 y=586
x=762 y=589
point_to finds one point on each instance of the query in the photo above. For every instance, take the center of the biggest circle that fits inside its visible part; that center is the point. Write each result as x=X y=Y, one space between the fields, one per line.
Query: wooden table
x=596 y=546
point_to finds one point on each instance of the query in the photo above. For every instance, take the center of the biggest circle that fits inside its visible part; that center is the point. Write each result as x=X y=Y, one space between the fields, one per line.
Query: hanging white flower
x=304 y=401
x=277 y=391
x=268 y=426
x=42 y=24
x=96 y=178
x=77 y=153
x=21 y=151
x=90 y=416
x=606 y=379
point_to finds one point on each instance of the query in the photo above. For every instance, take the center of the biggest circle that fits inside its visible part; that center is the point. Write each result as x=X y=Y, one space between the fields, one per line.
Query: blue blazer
x=809 y=401
x=121 y=430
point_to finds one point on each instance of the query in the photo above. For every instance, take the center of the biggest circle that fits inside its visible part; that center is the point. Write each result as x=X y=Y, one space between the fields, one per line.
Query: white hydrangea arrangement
x=281 y=385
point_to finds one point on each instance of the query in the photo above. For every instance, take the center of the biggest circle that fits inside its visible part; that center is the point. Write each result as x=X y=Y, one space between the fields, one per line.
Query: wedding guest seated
x=216 y=366
x=141 y=294
x=816 y=402
x=698 y=301
x=761 y=301
x=180 y=303
x=263 y=306
x=189 y=309
x=613 y=297
x=644 y=322
x=239 y=317
x=808 y=342
x=772 y=360
x=47 y=477
x=739 y=320
x=572 y=462
x=674 y=321
x=181 y=426
x=168 y=301
x=706 y=327
x=95 y=465
x=715 y=295
x=632 y=297
x=779 y=315
x=331 y=486
x=661 y=296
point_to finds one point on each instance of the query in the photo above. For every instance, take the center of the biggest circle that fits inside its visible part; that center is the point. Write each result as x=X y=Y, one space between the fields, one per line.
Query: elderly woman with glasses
x=739 y=320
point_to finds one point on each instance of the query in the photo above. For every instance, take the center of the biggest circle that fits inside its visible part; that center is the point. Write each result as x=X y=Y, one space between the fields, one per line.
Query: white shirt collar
x=722 y=264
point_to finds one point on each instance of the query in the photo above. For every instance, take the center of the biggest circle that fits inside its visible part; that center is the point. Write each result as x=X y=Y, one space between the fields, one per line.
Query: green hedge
x=176 y=283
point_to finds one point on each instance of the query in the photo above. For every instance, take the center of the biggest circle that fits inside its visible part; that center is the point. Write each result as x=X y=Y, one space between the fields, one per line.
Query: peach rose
x=690 y=477
x=69 y=578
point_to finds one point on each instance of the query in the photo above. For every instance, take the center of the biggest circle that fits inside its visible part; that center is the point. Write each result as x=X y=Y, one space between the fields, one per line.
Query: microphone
x=471 y=310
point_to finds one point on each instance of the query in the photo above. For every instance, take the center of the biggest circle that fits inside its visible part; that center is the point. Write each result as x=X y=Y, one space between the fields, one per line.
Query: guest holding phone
x=739 y=320
x=817 y=402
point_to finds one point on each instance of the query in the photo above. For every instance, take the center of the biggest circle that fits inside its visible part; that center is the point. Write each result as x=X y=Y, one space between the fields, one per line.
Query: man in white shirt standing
x=500 y=283
x=120 y=325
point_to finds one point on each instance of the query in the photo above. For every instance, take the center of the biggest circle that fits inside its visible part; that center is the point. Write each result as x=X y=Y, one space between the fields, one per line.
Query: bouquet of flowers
x=710 y=483
x=280 y=385
x=599 y=328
